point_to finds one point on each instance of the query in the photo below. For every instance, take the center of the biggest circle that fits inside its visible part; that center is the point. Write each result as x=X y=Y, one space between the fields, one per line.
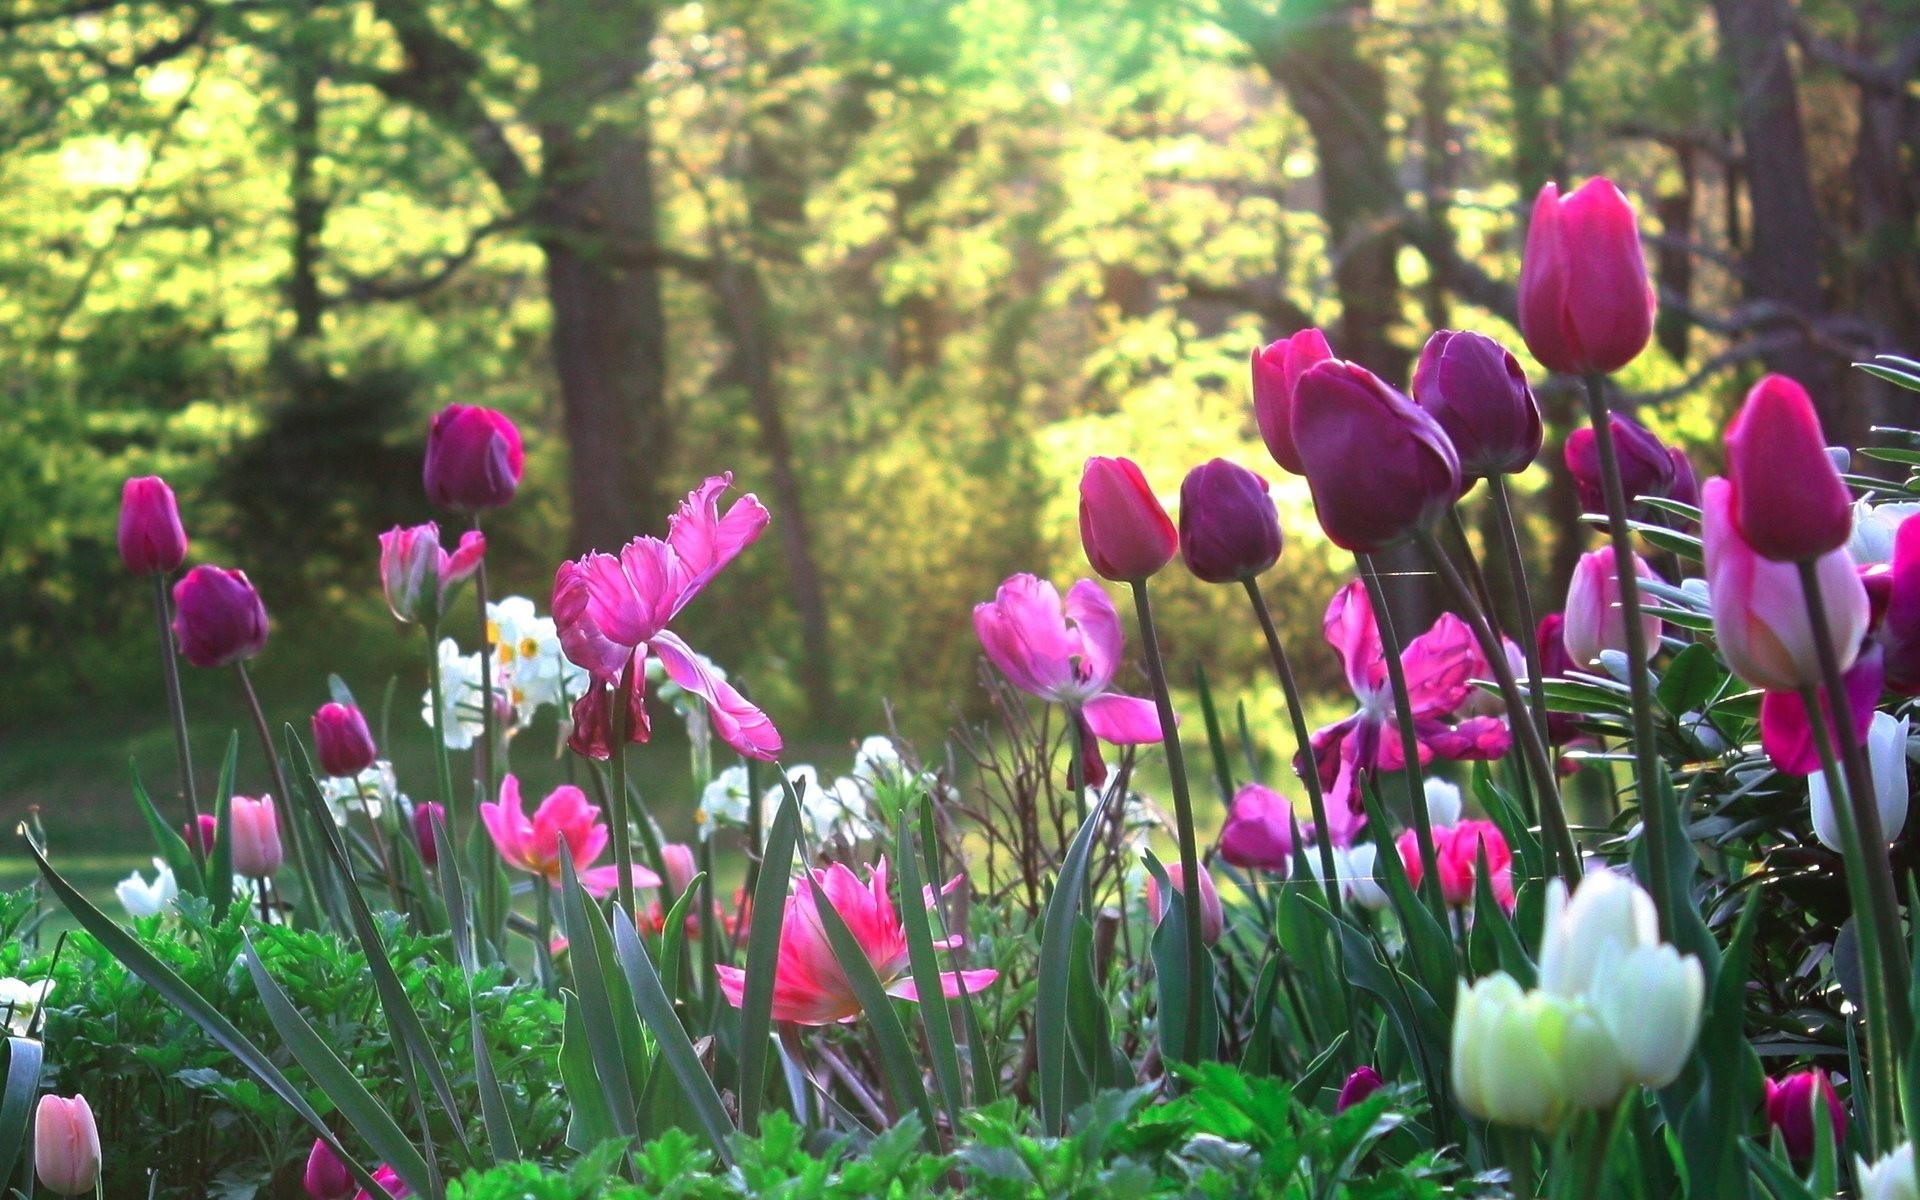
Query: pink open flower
x=611 y=610
x=1440 y=666
x=809 y=985
x=1066 y=655
x=1456 y=850
x=564 y=817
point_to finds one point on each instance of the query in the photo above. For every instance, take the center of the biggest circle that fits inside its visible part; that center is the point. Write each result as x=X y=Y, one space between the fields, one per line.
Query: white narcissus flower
x=459 y=719
x=1890 y=1178
x=723 y=802
x=143 y=899
x=376 y=788
x=1887 y=763
x=19 y=1000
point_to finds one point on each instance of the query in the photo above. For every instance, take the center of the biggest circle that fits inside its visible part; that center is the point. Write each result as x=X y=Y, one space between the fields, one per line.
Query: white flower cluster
x=376 y=788
x=844 y=808
x=527 y=672
x=19 y=1001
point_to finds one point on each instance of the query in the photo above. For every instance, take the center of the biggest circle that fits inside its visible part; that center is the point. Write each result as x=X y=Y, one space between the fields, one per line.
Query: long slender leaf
x=173 y=848
x=650 y=999
x=763 y=952
x=925 y=966
x=1216 y=741
x=589 y=1120
x=1170 y=964
x=673 y=938
x=501 y=1138
x=24 y=1056
x=1056 y=970
x=589 y=946
x=984 y=1074
x=220 y=862
x=453 y=893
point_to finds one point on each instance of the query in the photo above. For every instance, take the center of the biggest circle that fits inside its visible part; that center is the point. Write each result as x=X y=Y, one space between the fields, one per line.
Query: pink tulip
x=1364 y=1082
x=327 y=1178
x=418 y=577
x=389 y=1179
x=1379 y=466
x=424 y=815
x=1585 y=302
x=563 y=818
x=1787 y=736
x=1258 y=834
x=681 y=868
x=1790 y=1109
x=1213 y=918
x=66 y=1145
x=1229 y=530
x=218 y=618
x=1457 y=851
x=256 y=837
x=204 y=830
x=1759 y=612
x=1125 y=532
x=1477 y=392
x=1790 y=503
x=1899 y=624
x=809 y=986
x=611 y=611
x=152 y=540
x=1276 y=372
x=1647 y=468
x=342 y=740
x=1595 y=620
x=474 y=459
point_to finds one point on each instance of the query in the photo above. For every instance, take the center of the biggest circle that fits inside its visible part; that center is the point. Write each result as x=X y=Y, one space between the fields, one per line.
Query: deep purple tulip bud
x=1788 y=501
x=257 y=852
x=1127 y=535
x=344 y=742
x=1362 y=1083
x=1585 y=302
x=1790 y=1109
x=424 y=815
x=1647 y=468
x=1379 y=465
x=206 y=828
x=327 y=1178
x=474 y=459
x=218 y=618
x=1229 y=530
x=1479 y=394
x=152 y=540
x=1276 y=372
x=1686 y=485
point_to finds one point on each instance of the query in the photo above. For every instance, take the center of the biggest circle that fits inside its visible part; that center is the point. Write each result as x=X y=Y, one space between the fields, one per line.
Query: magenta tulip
x=152 y=540
x=1899 y=625
x=1379 y=465
x=1477 y=392
x=1786 y=734
x=327 y=1178
x=1594 y=620
x=1647 y=468
x=344 y=743
x=1125 y=532
x=218 y=618
x=1276 y=372
x=1364 y=1082
x=204 y=830
x=1259 y=831
x=1585 y=303
x=1213 y=918
x=1790 y=1109
x=1555 y=662
x=66 y=1145
x=1229 y=530
x=418 y=577
x=474 y=459
x=1789 y=502
x=257 y=853
x=424 y=815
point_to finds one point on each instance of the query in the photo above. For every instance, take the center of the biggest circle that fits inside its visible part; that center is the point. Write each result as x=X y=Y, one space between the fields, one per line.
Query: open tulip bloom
x=532 y=844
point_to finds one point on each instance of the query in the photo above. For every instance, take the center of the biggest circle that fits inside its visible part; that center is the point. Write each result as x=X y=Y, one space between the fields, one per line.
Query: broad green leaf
x=24 y=1056
x=670 y=1036
x=763 y=953
x=612 y=1030
x=172 y=847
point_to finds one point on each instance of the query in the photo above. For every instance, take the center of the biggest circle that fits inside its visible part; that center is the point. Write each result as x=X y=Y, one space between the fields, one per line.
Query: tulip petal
x=1123 y=720
x=950 y=984
x=704 y=541
x=739 y=723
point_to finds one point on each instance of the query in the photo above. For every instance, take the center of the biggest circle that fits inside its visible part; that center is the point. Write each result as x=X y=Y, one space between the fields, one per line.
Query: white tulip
x=1507 y=1053
x=143 y=899
x=1891 y=1178
x=1650 y=1001
x=1443 y=802
x=1887 y=763
x=1609 y=913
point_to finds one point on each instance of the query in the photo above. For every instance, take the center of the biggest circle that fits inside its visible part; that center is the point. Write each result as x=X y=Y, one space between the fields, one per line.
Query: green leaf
x=1169 y=950
x=611 y=1032
x=935 y=1016
x=651 y=1002
x=1311 y=1080
x=590 y=1121
x=501 y=1138
x=453 y=894
x=173 y=848
x=24 y=1056
x=763 y=954
x=1692 y=680
x=220 y=862
x=1216 y=742
x=1054 y=1059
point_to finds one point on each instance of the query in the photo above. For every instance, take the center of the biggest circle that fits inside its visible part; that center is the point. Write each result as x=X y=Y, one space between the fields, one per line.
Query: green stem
x=1522 y=603
x=176 y=706
x=440 y=719
x=1303 y=742
x=289 y=822
x=622 y=832
x=1516 y=1147
x=1183 y=819
x=483 y=760
x=1409 y=739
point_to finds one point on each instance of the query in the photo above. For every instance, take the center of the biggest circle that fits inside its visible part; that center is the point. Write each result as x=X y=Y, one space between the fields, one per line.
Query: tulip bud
x=419 y=578
x=206 y=829
x=1606 y=918
x=218 y=618
x=1379 y=466
x=1476 y=391
x=1650 y=1004
x=256 y=837
x=1213 y=920
x=681 y=868
x=1509 y=1051
x=1126 y=534
x=1595 y=620
x=1899 y=625
x=66 y=1145
x=1229 y=530
x=1686 y=485
x=474 y=459
x=1585 y=302
x=1786 y=729
x=1759 y=611
x=327 y=1178
x=1364 y=1082
x=1789 y=502
x=1887 y=765
x=1646 y=467
x=424 y=815
x=389 y=1179
x=344 y=743
x=1276 y=371
x=1889 y=1178
x=1258 y=834
x=1790 y=1109
x=1555 y=662
x=151 y=537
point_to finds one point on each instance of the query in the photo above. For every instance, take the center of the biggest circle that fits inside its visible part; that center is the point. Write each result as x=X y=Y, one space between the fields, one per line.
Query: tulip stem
x=1409 y=739
x=622 y=834
x=483 y=760
x=1183 y=821
x=1646 y=751
x=1522 y=603
x=1303 y=741
x=440 y=720
x=176 y=705
x=1533 y=748
x=287 y=828
x=379 y=844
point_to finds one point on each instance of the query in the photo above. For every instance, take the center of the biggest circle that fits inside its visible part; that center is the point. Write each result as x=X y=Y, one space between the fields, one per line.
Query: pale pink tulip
x=257 y=853
x=418 y=576
x=564 y=817
x=1213 y=918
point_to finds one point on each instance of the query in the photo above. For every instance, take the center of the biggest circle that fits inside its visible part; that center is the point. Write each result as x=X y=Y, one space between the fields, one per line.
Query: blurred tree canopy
x=898 y=264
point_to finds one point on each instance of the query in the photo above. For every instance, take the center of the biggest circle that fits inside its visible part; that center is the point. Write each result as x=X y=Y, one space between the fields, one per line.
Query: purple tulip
x=152 y=540
x=1364 y=1082
x=474 y=459
x=1647 y=468
x=1229 y=530
x=1379 y=465
x=218 y=618
x=344 y=743
x=1479 y=394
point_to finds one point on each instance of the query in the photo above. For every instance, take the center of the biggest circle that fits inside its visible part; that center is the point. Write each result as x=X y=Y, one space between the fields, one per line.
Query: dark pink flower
x=564 y=817
x=1479 y=394
x=1790 y=1109
x=1229 y=530
x=418 y=577
x=152 y=540
x=218 y=618
x=1785 y=733
x=342 y=740
x=474 y=459
x=1457 y=852
x=1379 y=466
x=1647 y=468
x=389 y=1179
x=1258 y=834
x=424 y=815
x=327 y=1178
x=1789 y=501
x=1213 y=918
x=1276 y=372
x=1585 y=301
x=1125 y=532
x=1364 y=1082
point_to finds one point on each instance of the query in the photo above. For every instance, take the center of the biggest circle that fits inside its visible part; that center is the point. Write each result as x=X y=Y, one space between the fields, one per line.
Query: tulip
x=152 y=540
x=1213 y=918
x=424 y=815
x=218 y=617
x=388 y=1179
x=563 y=818
x=1786 y=733
x=1888 y=1178
x=1276 y=372
x=1789 y=502
x=256 y=837
x=1900 y=624
x=1125 y=532
x=419 y=578
x=681 y=868
x=1585 y=302
x=1686 y=485
x=1229 y=530
x=1476 y=391
x=1379 y=466
x=1790 y=1109
x=204 y=829
x=344 y=743
x=1555 y=662
x=1759 y=610
x=810 y=987
x=327 y=1178
x=1887 y=764
x=1258 y=834
x=1595 y=622
x=474 y=459
x=66 y=1145
x=1510 y=1051
x=143 y=899
x=1874 y=529
x=1647 y=468
x=1457 y=853
x=1364 y=1082
x=1606 y=918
